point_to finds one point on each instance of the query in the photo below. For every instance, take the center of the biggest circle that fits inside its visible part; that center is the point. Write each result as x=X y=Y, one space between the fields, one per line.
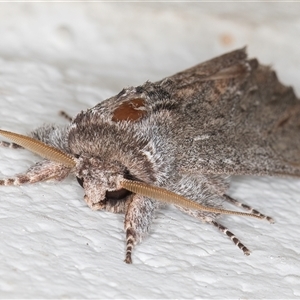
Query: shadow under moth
x=177 y=140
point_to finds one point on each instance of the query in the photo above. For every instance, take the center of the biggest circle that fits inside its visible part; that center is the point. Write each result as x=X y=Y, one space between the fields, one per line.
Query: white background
x=70 y=56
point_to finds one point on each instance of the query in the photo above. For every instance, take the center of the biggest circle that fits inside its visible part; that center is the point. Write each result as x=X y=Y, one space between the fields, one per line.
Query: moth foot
x=248 y=208
x=128 y=259
x=130 y=242
x=246 y=251
x=236 y=241
x=271 y=220
x=98 y=206
x=95 y=206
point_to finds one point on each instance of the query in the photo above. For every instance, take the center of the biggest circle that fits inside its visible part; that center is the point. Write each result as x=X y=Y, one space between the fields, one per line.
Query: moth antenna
x=164 y=195
x=40 y=148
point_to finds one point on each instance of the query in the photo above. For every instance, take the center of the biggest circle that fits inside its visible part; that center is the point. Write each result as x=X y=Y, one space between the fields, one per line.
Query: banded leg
x=138 y=219
x=41 y=171
x=246 y=207
x=65 y=115
x=10 y=145
x=236 y=241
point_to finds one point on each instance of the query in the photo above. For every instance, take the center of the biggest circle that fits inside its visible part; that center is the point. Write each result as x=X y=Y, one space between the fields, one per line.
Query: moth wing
x=229 y=115
x=237 y=118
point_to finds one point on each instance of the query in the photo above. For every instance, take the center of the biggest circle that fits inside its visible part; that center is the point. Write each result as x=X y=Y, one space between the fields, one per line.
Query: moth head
x=101 y=180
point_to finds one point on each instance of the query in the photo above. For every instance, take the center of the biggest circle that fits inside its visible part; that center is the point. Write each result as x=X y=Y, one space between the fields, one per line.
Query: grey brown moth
x=177 y=140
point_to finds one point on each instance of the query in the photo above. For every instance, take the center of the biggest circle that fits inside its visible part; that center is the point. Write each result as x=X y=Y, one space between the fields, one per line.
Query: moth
x=177 y=140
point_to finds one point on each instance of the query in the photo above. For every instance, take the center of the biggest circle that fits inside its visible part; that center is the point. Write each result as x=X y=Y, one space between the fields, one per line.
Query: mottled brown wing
x=235 y=117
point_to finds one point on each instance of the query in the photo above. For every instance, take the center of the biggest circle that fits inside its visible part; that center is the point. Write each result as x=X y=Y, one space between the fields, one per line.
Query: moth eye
x=80 y=181
x=131 y=110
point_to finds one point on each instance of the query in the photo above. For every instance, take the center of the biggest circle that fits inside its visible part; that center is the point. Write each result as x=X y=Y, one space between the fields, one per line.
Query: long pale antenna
x=40 y=148
x=164 y=195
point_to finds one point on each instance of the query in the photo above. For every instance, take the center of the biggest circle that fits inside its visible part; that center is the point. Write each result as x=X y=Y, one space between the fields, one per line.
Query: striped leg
x=41 y=171
x=130 y=243
x=247 y=207
x=138 y=219
x=10 y=145
x=236 y=241
x=65 y=115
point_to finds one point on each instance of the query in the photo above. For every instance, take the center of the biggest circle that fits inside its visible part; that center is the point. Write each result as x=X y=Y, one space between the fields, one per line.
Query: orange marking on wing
x=131 y=110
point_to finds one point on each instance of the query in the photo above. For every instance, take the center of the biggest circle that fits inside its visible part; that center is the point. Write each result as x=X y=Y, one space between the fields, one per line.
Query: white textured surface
x=71 y=56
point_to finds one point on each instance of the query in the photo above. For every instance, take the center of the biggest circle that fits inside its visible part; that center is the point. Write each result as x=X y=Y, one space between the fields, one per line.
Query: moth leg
x=65 y=115
x=210 y=219
x=94 y=206
x=10 y=145
x=41 y=171
x=116 y=207
x=236 y=241
x=246 y=207
x=138 y=219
